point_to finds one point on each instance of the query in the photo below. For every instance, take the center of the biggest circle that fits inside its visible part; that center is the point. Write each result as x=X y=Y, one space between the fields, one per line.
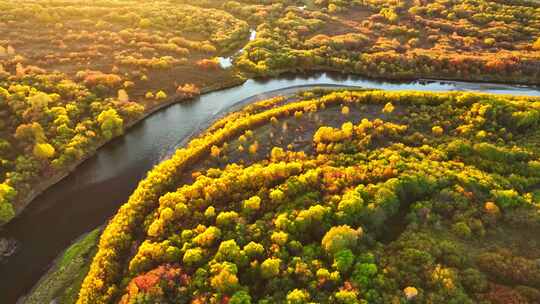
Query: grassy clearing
x=64 y=279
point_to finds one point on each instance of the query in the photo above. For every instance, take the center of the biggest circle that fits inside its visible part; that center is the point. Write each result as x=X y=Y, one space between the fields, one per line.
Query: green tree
x=343 y=260
x=240 y=297
x=364 y=273
x=473 y=280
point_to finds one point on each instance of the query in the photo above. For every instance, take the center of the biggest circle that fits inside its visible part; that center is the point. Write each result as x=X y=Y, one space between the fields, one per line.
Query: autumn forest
x=292 y=190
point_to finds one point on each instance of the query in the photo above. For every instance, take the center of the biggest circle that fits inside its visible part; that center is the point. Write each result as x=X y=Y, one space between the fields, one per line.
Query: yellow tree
x=536 y=44
x=43 y=151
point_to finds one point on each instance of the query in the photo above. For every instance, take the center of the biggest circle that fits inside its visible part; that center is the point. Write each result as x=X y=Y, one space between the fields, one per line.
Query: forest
x=326 y=195
x=74 y=74
x=67 y=86
x=466 y=40
x=337 y=197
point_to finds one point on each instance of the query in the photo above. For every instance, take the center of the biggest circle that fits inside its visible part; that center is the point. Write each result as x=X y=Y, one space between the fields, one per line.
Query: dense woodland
x=347 y=197
x=74 y=74
x=472 y=39
x=338 y=197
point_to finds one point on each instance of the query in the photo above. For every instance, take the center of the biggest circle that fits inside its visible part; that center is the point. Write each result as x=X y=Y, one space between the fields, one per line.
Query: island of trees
x=337 y=197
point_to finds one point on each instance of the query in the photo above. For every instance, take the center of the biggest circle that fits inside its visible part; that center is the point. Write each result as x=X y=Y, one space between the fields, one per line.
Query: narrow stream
x=92 y=194
x=227 y=62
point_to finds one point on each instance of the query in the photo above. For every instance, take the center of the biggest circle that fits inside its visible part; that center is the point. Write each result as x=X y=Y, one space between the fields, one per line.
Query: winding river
x=92 y=194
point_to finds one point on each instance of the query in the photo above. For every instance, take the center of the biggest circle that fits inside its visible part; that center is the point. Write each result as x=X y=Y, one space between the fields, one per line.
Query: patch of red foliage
x=500 y=294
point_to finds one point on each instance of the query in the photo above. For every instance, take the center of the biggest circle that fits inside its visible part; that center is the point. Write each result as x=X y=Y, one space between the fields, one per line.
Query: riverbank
x=487 y=79
x=50 y=181
x=61 y=284
x=286 y=92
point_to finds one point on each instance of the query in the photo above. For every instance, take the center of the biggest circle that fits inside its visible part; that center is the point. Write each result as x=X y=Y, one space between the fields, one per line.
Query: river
x=93 y=193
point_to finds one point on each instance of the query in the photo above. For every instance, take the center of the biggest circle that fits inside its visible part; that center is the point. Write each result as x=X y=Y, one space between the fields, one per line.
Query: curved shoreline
x=199 y=129
x=41 y=187
x=294 y=89
x=325 y=69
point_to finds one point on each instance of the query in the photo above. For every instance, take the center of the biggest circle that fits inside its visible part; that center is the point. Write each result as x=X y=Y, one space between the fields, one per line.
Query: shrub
x=160 y=95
